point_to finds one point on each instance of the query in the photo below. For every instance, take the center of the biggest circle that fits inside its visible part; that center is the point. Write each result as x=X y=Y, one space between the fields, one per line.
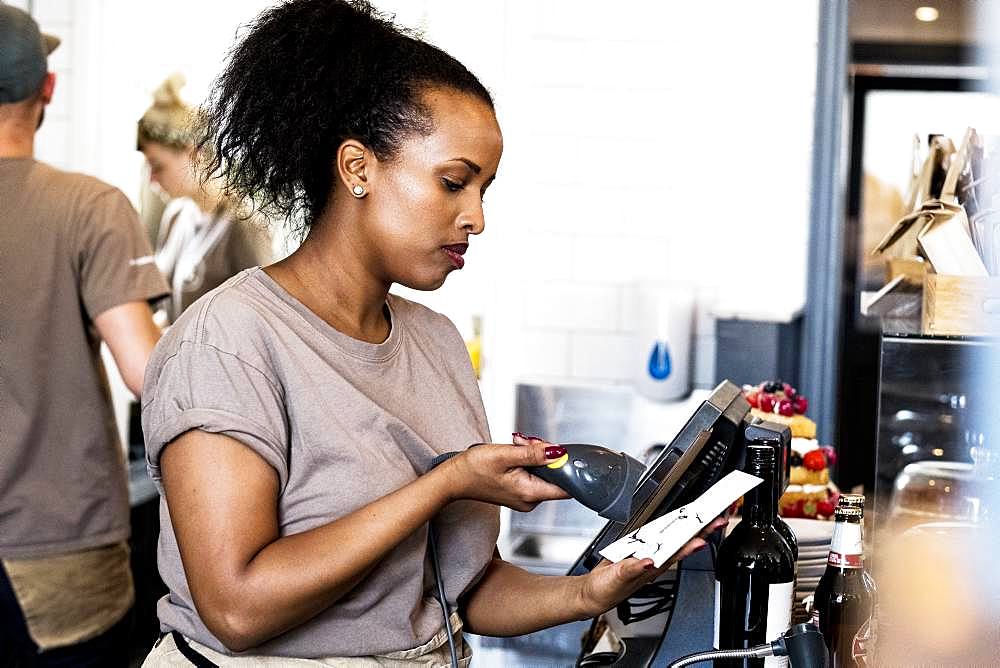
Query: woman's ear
x=352 y=167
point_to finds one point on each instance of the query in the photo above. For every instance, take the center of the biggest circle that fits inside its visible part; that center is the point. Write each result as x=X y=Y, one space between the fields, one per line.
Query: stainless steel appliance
x=936 y=404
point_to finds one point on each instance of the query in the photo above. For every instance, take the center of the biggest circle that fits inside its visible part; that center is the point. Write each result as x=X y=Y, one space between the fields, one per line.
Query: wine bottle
x=755 y=571
x=845 y=596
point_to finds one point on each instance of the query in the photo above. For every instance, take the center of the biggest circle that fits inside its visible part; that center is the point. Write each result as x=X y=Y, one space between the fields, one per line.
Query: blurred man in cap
x=77 y=269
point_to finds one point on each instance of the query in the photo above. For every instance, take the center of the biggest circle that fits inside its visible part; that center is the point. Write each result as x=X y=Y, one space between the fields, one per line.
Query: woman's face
x=171 y=169
x=427 y=202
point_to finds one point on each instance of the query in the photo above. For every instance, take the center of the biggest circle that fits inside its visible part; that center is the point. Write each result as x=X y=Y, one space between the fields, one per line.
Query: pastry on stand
x=810 y=492
x=777 y=401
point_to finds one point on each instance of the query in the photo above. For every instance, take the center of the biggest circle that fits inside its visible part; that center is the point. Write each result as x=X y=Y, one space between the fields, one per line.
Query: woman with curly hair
x=292 y=414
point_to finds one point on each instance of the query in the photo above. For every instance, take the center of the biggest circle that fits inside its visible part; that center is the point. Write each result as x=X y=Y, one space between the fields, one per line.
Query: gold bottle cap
x=850 y=505
x=852 y=500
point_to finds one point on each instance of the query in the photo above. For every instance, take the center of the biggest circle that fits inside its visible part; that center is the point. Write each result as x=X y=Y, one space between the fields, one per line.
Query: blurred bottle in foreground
x=939 y=594
x=845 y=597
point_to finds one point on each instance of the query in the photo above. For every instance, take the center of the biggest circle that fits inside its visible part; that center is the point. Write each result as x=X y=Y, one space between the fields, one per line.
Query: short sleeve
x=202 y=387
x=115 y=259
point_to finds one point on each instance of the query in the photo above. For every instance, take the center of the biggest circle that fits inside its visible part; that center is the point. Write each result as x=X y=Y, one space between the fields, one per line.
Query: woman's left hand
x=608 y=584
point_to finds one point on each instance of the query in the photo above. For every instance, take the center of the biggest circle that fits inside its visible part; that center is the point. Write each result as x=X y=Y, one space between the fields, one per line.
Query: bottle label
x=845 y=560
x=859 y=648
x=718 y=612
x=779 y=618
x=847 y=546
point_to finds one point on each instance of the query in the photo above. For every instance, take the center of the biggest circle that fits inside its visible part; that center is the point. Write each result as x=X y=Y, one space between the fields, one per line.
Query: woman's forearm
x=510 y=601
x=296 y=577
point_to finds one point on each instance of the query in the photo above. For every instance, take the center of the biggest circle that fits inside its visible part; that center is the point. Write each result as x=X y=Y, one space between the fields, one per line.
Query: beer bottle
x=845 y=597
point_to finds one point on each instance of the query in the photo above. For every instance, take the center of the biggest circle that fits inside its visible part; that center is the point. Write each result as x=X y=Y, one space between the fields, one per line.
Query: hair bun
x=169 y=120
x=168 y=93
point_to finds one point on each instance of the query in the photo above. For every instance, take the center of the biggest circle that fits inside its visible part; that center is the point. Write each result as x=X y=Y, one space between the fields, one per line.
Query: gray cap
x=23 y=50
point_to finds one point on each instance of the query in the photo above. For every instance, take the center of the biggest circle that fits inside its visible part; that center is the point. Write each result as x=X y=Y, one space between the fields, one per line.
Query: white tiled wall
x=644 y=141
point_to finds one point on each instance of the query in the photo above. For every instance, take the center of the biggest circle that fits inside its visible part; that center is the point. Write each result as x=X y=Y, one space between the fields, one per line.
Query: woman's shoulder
x=415 y=315
x=232 y=318
x=431 y=331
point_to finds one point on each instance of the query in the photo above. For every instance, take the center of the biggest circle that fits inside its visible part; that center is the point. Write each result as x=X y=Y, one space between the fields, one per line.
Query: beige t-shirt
x=343 y=423
x=71 y=247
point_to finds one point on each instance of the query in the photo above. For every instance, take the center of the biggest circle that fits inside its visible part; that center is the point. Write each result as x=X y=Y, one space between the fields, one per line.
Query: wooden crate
x=961 y=305
x=911 y=269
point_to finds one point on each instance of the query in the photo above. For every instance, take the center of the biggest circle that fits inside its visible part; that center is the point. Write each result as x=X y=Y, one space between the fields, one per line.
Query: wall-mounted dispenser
x=662 y=364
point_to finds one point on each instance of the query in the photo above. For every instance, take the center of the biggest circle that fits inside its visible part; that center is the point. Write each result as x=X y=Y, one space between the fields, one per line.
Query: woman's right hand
x=495 y=473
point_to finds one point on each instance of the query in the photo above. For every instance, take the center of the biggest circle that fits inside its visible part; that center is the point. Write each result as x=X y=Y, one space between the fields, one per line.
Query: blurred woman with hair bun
x=203 y=237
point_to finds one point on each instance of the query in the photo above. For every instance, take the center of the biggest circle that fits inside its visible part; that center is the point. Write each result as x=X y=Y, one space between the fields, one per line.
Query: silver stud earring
x=358 y=191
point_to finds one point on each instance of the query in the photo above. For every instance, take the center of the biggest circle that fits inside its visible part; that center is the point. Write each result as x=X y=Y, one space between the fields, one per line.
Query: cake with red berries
x=777 y=401
x=810 y=492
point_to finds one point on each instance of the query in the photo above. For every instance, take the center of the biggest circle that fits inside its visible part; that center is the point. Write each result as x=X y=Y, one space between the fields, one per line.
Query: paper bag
x=900 y=243
x=945 y=238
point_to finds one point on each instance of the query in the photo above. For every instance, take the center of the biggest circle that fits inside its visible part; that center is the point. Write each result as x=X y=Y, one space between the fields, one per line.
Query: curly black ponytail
x=308 y=75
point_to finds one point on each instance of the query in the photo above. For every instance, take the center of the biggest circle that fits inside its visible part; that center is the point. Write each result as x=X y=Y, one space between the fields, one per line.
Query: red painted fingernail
x=554 y=451
x=647 y=567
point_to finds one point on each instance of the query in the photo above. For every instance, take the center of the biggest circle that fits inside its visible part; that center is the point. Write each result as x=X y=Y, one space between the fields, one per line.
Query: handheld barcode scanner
x=599 y=478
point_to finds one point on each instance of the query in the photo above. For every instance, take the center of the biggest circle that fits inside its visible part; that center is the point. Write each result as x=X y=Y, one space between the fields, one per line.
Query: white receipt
x=660 y=539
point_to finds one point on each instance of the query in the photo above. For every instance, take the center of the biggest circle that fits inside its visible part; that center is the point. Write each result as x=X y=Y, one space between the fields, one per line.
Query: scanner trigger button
x=559 y=463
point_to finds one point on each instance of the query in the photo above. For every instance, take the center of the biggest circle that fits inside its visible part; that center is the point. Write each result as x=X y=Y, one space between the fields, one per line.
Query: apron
x=174 y=650
x=70 y=598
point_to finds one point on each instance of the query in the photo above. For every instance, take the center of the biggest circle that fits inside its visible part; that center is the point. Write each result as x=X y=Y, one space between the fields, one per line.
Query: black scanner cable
x=436 y=565
x=431 y=539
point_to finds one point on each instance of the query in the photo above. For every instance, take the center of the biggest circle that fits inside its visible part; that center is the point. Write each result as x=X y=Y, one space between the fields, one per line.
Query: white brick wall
x=574 y=305
x=648 y=141
x=55 y=143
x=644 y=141
x=600 y=356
